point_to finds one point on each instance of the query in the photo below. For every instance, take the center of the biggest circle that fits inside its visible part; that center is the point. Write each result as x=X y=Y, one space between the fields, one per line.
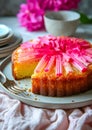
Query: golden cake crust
x=14 y=59
x=47 y=76
x=62 y=86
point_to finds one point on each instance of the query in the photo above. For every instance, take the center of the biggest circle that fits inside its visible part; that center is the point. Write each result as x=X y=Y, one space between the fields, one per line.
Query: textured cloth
x=15 y=115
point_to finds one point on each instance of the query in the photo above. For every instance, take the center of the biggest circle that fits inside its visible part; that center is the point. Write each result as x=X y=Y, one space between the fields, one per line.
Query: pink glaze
x=44 y=60
x=67 y=67
x=60 y=51
x=58 y=65
x=89 y=51
x=50 y=63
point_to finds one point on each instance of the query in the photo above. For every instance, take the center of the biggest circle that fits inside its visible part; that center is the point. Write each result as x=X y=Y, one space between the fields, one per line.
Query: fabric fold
x=15 y=115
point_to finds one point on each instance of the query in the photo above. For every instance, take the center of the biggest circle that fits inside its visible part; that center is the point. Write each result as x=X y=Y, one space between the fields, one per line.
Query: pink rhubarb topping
x=62 y=52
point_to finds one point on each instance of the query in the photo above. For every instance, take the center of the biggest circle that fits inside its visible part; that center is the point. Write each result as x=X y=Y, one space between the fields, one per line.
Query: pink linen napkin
x=15 y=115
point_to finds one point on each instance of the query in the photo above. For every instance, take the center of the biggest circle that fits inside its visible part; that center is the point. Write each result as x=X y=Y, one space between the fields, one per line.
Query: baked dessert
x=23 y=61
x=58 y=66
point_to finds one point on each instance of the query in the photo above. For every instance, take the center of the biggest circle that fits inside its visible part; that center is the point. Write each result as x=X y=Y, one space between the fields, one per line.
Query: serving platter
x=10 y=45
x=68 y=102
x=7 y=38
x=16 y=39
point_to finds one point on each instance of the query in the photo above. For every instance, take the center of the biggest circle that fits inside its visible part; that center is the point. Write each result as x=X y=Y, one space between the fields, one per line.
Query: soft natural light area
x=45 y=64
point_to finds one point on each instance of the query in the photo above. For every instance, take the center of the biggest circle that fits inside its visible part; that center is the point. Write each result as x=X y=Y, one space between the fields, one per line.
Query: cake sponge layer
x=24 y=68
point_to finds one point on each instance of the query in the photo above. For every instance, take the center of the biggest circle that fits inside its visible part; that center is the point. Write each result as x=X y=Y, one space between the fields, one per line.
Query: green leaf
x=84 y=18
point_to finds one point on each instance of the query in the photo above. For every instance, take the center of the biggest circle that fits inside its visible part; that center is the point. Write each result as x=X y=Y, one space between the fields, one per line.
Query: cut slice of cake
x=23 y=61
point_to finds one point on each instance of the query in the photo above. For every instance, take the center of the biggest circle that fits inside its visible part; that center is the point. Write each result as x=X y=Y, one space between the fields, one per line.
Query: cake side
x=51 y=85
x=24 y=60
x=22 y=67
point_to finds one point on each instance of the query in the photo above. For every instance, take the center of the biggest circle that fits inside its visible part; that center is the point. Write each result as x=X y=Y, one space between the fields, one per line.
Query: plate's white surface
x=10 y=45
x=4 y=30
x=44 y=101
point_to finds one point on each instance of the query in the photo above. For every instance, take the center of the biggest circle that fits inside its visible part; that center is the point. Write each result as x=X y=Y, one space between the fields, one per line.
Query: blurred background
x=28 y=31
x=11 y=7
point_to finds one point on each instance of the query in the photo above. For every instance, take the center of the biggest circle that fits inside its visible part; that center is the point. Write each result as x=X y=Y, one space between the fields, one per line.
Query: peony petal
x=31 y=14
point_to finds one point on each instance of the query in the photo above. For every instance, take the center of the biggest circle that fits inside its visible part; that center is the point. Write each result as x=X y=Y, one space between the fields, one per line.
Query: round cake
x=57 y=66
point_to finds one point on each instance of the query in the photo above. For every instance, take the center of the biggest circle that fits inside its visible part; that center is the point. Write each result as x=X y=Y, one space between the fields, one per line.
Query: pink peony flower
x=31 y=13
x=58 y=4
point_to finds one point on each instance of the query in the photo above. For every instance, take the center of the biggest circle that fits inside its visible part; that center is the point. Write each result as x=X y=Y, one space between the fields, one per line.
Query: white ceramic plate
x=44 y=101
x=12 y=43
x=8 y=52
x=5 y=39
x=4 y=30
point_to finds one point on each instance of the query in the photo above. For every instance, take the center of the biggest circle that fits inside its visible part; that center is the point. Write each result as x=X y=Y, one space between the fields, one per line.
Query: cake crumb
x=73 y=101
x=19 y=82
x=29 y=90
x=28 y=94
x=35 y=98
x=25 y=89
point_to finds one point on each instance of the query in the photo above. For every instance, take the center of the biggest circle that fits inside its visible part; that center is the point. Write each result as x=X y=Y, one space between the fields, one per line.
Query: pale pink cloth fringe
x=15 y=115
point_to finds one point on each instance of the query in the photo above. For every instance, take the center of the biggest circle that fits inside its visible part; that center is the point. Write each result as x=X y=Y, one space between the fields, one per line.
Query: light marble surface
x=83 y=31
